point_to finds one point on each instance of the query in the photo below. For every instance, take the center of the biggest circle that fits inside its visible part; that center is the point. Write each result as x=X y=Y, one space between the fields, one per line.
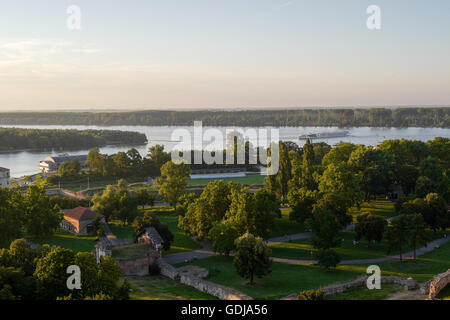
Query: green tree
x=210 y=207
x=371 y=227
x=326 y=227
x=11 y=216
x=302 y=202
x=89 y=273
x=327 y=258
x=223 y=237
x=51 y=273
x=252 y=257
x=40 y=218
x=145 y=197
x=416 y=231
x=397 y=233
x=372 y=165
x=173 y=181
x=109 y=275
x=157 y=158
x=23 y=256
x=284 y=172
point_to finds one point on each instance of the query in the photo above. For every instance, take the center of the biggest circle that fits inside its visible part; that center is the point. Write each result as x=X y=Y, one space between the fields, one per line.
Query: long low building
x=51 y=164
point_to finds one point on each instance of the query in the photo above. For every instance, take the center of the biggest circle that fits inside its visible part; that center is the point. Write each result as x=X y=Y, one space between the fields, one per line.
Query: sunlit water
x=27 y=162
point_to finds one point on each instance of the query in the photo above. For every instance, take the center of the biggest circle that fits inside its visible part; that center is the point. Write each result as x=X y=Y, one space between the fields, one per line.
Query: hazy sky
x=223 y=54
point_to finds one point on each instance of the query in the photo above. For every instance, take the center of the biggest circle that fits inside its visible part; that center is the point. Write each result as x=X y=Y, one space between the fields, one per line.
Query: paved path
x=206 y=252
x=429 y=247
x=179 y=257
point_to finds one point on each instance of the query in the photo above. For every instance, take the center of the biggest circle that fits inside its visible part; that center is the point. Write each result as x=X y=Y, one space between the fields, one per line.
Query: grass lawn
x=284 y=226
x=249 y=180
x=301 y=249
x=131 y=252
x=380 y=207
x=366 y=294
x=162 y=288
x=70 y=241
x=423 y=269
x=182 y=242
x=284 y=279
x=121 y=231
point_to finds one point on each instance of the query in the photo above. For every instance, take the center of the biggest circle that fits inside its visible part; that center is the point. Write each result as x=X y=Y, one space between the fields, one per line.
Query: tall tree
x=40 y=218
x=252 y=257
x=416 y=231
x=173 y=181
x=397 y=233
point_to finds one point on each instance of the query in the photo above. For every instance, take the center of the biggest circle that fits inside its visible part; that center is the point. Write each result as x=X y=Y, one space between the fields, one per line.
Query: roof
x=154 y=235
x=81 y=213
x=61 y=159
x=3 y=169
x=104 y=243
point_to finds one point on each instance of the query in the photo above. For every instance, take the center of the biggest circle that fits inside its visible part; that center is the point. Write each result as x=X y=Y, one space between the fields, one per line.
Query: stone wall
x=408 y=284
x=136 y=267
x=193 y=279
x=168 y=270
x=221 y=292
x=435 y=285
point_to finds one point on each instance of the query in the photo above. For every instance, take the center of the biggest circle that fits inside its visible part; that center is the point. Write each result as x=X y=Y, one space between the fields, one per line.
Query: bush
x=327 y=258
x=154 y=269
x=310 y=295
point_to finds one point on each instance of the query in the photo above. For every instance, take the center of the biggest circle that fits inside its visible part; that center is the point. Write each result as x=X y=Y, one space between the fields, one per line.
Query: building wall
x=74 y=223
x=4 y=179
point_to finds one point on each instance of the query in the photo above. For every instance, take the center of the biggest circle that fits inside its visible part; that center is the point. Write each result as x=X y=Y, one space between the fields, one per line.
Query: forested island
x=71 y=139
x=375 y=117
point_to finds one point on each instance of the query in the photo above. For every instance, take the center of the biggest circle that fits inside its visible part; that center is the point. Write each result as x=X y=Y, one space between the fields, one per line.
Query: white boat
x=325 y=135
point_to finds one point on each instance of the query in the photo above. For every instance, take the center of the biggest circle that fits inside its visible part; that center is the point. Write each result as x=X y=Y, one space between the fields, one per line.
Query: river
x=27 y=162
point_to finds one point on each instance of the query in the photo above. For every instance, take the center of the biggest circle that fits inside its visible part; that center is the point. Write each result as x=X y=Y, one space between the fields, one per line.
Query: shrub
x=327 y=258
x=310 y=295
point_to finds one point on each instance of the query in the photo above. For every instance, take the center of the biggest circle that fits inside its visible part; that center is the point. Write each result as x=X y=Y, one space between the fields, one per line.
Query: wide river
x=27 y=162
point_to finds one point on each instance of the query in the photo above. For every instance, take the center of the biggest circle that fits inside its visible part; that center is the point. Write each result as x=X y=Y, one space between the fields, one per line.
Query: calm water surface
x=25 y=162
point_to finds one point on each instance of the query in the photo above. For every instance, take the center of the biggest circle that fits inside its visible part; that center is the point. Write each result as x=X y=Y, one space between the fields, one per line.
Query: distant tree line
x=358 y=117
x=18 y=138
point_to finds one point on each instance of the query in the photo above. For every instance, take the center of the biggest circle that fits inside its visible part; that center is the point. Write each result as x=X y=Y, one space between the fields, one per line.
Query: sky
x=227 y=54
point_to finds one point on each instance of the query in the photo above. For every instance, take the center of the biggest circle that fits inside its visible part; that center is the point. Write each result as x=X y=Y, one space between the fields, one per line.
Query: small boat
x=325 y=135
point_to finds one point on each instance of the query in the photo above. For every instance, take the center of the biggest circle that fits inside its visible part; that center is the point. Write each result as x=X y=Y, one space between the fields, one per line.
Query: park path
x=206 y=252
x=429 y=247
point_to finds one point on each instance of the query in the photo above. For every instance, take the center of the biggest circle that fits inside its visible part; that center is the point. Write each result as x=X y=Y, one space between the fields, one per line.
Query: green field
x=131 y=252
x=283 y=226
x=248 y=180
x=70 y=241
x=161 y=288
x=285 y=278
x=380 y=207
x=121 y=231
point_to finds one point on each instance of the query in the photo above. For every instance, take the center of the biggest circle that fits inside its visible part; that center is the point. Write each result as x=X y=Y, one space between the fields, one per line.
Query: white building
x=51 y=164
x=5 y=176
